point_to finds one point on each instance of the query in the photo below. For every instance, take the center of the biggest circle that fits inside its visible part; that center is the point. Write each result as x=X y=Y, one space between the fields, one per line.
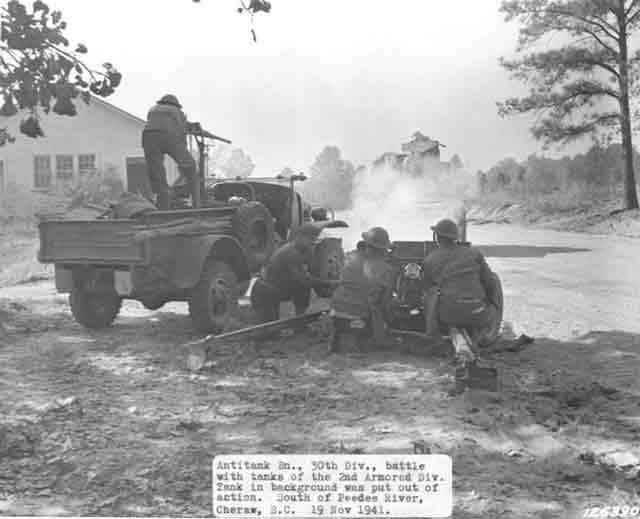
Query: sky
x=360 y=75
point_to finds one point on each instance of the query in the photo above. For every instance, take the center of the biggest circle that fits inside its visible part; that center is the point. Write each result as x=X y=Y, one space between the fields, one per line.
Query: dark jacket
x=287 y=268
x=169 y=119
x=361 y=276
x=461 y=271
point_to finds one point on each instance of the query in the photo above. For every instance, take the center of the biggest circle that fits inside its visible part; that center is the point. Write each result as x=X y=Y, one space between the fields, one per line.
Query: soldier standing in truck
x=166 y=133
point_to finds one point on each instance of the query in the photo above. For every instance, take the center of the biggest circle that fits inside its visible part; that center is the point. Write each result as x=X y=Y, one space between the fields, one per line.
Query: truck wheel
x=213 y=299
x=153 y=303
x=328 y=260
x=94 y=311
x=496 y=299
x=253 y=226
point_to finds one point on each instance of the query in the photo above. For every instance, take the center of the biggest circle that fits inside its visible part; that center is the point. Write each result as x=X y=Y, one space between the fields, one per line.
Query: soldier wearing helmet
x=457 y=283
x=166 y=133
x=365 y=287
x=286 y=277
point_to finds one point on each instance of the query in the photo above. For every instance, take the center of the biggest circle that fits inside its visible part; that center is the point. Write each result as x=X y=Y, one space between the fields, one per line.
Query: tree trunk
x=630 y=192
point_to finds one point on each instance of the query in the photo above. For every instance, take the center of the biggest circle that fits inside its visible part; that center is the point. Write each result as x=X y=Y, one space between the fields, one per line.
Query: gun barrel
x=215 y=137
x=196 y=130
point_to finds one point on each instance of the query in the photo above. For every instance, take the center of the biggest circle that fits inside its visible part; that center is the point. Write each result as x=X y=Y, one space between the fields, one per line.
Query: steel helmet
x=446 y=228
x=377 y=237
x=308 y=229
x=169 y=99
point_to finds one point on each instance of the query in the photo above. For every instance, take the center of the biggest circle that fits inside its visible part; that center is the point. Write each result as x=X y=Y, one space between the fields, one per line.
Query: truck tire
x=213 y=299
x=497 y=300
x=94 y=311
x=328 y=260
x=153 y=303
x=253 y=226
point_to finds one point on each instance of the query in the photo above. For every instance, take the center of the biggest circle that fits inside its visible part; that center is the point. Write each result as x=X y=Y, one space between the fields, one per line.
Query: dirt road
x=110 y=422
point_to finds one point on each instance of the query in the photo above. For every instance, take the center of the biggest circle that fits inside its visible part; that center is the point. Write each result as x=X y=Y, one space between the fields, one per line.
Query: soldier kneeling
x=286 y=277
x=457 y=281
x=365 y=285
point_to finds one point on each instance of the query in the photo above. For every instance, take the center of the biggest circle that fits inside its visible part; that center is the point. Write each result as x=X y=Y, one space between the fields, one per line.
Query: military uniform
x=166 y=133
x=362 y=279
x=457 y=281
x=365 y=285
x=461 y=274
x=284 y=278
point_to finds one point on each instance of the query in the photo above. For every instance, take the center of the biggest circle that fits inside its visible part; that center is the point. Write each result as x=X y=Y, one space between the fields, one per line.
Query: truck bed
x=90 y=242
x=109 y=242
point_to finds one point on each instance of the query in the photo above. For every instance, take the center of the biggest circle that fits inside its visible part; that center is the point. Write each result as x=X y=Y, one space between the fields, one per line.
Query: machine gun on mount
x=200 y=136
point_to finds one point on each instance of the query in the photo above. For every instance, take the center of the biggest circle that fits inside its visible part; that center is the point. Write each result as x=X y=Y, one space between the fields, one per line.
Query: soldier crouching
x=286 y=277
x=357 y=305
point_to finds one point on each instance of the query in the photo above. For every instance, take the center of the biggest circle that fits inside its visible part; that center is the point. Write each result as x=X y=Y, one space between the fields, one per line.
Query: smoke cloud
x=406 y=205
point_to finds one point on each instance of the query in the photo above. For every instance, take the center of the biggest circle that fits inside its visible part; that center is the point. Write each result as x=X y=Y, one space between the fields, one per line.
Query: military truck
x=205 y=255
x=289 y=211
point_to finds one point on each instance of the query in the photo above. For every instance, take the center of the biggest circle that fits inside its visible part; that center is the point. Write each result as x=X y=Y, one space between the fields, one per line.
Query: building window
x=42 y=172
x=64 y=167
x=86 y=164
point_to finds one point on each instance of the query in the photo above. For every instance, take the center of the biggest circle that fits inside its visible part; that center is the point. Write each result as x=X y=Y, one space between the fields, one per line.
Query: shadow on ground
x=139 y=436
x=525 y=251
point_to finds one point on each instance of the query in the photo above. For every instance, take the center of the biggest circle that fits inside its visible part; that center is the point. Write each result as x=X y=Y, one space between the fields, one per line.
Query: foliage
x=574 y=56
x=40 y=70
x=456 y=162
x=237 y=164
x=287 y=172
x=332 y=180
x=251 y=8
x=99 y=187
x=600 y=167
x=576 y=86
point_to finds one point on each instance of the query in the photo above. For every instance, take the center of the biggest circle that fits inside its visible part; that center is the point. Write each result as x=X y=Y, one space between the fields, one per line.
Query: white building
x=100 y=137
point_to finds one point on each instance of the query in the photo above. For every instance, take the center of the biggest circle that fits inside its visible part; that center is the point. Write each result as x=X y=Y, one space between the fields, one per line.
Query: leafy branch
x=582 y=87
x=39 y=70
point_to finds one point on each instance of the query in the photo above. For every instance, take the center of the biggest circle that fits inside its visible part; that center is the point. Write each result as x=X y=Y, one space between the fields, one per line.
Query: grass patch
x=18 y=255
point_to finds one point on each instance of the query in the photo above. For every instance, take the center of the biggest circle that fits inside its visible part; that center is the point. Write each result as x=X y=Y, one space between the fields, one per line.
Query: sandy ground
x=111 y=423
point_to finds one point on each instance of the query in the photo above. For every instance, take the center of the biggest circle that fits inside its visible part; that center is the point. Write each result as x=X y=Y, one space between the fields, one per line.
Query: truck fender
x=64 y=279
x=193 y=252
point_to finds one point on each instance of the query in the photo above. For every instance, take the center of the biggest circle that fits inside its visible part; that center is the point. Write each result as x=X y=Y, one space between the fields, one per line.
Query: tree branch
x=608 y=29
x=553 y=131
x=605 y=28
x=633 y=18
x=633 y=4
x=76 y=61
x=603 y=65
x=600 y=41
x=9 y=52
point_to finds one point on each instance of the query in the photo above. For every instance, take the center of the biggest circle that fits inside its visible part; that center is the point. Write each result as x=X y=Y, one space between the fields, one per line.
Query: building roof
x=113 y=108
x=389 y=154
x=420 y=144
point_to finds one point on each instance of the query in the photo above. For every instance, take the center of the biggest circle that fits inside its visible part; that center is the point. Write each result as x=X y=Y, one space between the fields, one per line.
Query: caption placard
x=298 y=486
